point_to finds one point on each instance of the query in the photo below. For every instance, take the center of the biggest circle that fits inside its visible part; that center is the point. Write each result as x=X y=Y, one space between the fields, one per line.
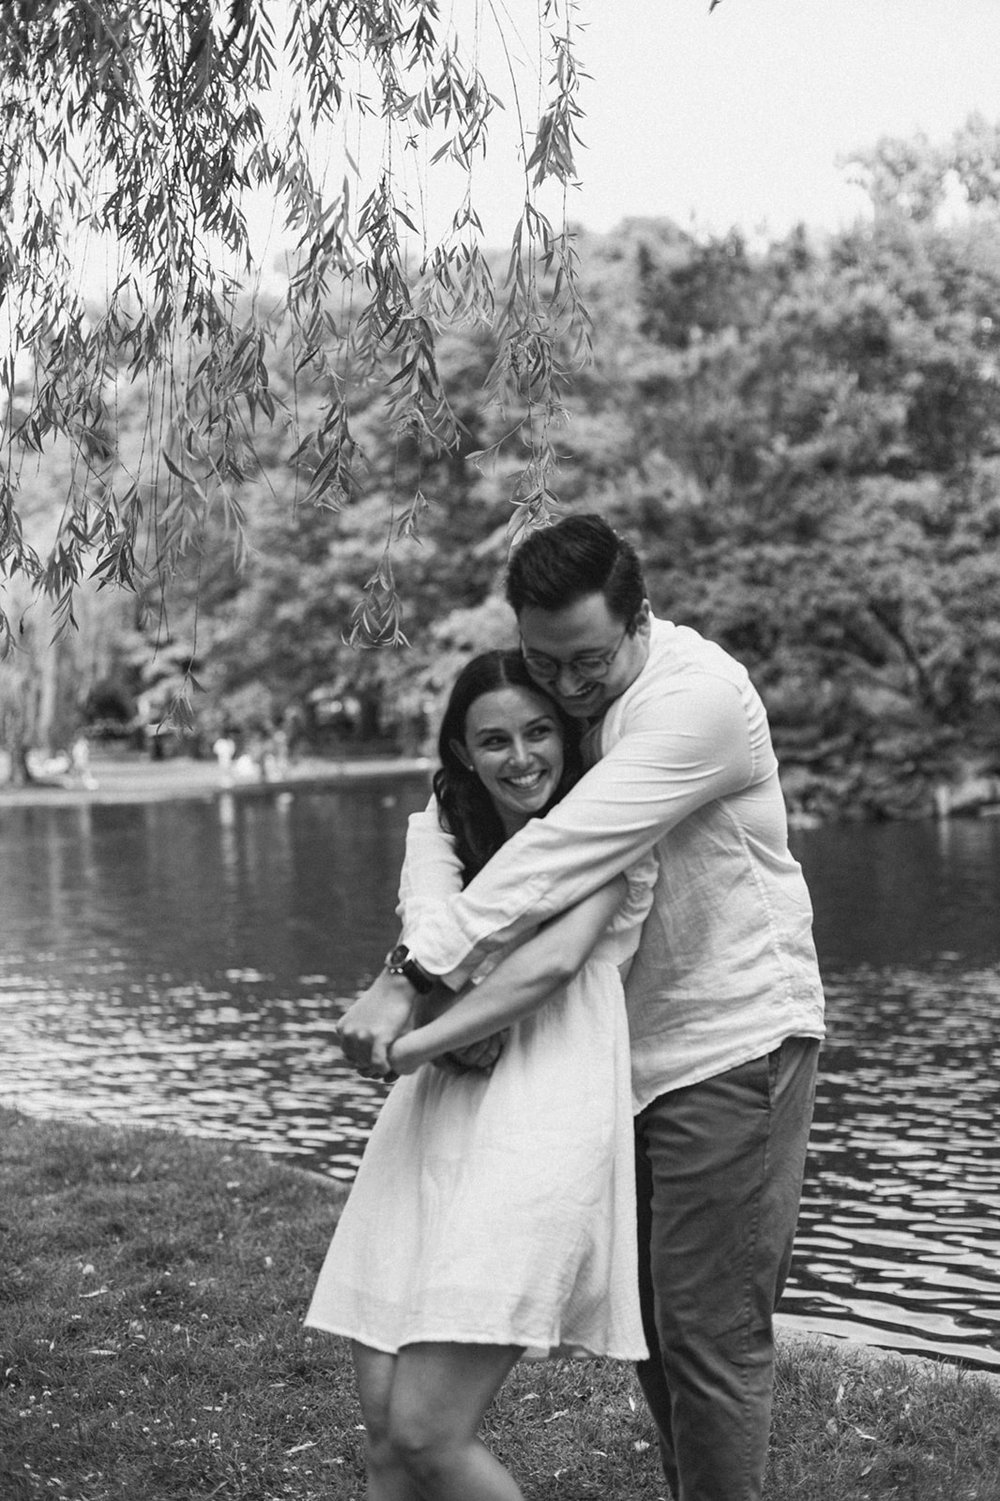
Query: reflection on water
x=224 y=1063
x=183 y=965
x=900 y=1227
x=901 y=1224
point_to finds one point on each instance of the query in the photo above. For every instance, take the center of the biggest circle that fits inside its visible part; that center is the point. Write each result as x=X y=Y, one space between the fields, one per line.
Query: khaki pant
x=719 y=1170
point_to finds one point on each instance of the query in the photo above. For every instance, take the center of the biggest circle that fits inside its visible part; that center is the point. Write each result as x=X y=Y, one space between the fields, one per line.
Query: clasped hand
x=380 y=1014
x=387 y=1010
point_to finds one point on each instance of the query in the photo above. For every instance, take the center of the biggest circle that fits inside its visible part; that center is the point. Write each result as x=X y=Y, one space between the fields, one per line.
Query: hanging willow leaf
x=142 y=132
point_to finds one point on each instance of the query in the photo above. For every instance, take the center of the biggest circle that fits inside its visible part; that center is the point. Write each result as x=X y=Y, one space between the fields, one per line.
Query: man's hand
x=475 y=1057
x=379 y=1015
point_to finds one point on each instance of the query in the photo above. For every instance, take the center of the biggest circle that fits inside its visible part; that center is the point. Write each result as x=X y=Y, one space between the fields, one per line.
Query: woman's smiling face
x=513 y=742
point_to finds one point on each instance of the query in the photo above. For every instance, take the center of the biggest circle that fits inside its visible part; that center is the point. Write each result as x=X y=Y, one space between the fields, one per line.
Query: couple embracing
x=607 y=949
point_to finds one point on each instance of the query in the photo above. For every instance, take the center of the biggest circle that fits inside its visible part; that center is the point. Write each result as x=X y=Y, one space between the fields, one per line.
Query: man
x=724 y=996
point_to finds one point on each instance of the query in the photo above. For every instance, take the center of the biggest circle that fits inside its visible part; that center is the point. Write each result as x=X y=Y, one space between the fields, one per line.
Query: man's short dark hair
x=579 y=555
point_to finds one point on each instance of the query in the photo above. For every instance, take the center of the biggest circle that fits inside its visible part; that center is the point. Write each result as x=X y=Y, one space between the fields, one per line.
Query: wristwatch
x=399 y=961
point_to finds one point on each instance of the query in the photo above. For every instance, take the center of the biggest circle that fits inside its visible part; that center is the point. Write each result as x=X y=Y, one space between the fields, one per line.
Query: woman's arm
x=518 y=985
x=431 y=874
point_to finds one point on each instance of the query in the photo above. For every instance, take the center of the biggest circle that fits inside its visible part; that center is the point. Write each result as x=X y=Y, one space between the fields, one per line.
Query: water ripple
x=159 y=969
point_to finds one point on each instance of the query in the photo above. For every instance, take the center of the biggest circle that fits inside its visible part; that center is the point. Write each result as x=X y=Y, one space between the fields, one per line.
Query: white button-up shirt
x=683 y=766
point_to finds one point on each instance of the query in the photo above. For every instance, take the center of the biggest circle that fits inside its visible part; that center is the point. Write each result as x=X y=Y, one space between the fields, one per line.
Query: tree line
x=801 y=437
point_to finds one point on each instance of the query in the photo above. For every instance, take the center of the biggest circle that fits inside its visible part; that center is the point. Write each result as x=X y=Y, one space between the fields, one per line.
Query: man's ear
x=643 y=620
x=461 y=752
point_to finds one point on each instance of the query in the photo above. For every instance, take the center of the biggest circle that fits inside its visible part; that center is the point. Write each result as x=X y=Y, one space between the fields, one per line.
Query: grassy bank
x=151 y=1349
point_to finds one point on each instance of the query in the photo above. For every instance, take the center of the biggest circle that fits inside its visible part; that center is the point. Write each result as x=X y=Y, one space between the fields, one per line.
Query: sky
x=714 y=118
x=738 y=116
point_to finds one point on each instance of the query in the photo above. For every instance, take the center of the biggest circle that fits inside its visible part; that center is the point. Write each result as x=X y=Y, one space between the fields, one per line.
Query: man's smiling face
x=583 y=655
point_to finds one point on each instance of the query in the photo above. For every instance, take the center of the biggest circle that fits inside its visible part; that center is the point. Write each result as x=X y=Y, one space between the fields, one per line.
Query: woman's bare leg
x=440 y=1393
x=374 y=1372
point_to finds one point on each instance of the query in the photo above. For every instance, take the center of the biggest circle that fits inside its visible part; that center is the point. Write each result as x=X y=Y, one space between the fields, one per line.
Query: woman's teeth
x=524 y=783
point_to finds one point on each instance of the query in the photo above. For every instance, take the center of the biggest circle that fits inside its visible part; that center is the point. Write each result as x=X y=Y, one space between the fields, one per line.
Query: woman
x=493 y=1214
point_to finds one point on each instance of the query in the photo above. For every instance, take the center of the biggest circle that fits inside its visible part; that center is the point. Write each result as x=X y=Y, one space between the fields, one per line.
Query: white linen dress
x=500 y=1208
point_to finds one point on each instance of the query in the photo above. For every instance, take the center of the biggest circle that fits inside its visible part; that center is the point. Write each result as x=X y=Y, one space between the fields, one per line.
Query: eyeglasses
x=589 y=666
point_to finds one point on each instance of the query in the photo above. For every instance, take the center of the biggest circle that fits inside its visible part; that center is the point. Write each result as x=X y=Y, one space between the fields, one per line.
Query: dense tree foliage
x=803 y=439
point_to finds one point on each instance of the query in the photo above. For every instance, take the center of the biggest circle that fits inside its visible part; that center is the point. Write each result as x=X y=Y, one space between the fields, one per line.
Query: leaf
x=174 y=139
x=174 y=468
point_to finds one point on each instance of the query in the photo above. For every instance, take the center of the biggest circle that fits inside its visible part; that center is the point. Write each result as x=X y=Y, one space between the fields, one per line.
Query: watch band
x=399 y=961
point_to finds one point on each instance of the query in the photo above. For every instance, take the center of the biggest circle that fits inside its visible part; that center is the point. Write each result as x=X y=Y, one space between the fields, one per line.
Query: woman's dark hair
x=465 y=808
x=579 y=555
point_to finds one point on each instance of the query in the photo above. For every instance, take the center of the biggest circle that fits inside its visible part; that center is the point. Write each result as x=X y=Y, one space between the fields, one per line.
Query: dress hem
x=534 y=1349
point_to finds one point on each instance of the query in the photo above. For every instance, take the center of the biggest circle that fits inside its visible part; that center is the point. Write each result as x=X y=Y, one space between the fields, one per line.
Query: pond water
x=182 y=964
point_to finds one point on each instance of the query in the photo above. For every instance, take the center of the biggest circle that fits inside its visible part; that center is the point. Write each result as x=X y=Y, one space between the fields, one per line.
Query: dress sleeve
x=431 y=873
x=679 y=750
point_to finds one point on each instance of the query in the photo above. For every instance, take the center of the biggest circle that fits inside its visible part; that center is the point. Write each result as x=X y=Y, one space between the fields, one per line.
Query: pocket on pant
x=757 y=1076
x=773 y=1069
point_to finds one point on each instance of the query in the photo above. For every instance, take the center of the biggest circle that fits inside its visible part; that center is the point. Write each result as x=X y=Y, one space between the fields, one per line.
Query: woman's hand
x=407 y=1054
x=379 y=1015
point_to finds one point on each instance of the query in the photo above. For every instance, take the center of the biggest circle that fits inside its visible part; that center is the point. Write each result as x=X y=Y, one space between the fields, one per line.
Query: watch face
x=399 y=954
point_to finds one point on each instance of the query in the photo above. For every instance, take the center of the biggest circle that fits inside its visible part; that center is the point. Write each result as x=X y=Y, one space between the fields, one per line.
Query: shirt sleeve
x=682 y=747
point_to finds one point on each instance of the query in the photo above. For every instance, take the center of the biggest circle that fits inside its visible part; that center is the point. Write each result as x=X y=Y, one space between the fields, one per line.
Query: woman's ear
x=461 y=753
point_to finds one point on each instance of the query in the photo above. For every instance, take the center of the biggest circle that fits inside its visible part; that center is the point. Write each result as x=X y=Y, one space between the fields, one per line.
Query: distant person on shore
x=280 y=755
x=246 y=767
x=494 y=1211
x=724 y=998
x=79 y=763
x=224 y=751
